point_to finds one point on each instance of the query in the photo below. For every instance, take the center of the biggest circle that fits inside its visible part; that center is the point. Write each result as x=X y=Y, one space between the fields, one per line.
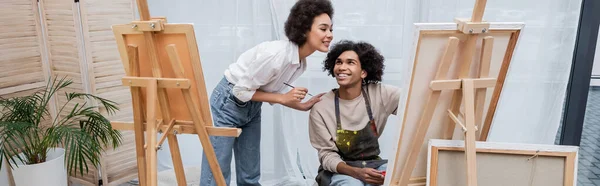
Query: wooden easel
x=160 y=87
x=468 y=91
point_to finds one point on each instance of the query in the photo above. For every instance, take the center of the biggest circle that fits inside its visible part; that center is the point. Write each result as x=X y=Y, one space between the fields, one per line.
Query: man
x=345 y=125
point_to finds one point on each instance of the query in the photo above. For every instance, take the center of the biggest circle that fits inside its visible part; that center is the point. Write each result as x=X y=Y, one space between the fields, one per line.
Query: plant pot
x=50 y=173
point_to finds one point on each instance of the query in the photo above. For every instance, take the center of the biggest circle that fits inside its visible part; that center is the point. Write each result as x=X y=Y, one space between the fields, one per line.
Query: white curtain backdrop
x=529 y=110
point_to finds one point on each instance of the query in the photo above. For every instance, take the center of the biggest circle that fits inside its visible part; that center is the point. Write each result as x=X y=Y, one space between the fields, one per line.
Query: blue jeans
x=345 y=180
x=228 y=111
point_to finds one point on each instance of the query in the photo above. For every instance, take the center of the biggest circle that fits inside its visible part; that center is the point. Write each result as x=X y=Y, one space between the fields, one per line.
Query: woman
x=345 y=125
x=259 y=75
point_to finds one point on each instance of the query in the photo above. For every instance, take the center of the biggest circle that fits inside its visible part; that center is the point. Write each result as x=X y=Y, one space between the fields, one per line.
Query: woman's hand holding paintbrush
x=293 y=97
x=302 y=88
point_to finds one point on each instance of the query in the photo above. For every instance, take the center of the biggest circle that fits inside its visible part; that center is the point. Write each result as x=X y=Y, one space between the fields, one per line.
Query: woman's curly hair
x=371 y=60
x=301 y=17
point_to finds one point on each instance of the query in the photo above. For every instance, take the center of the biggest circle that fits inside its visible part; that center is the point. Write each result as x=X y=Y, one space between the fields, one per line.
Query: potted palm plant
x=37 y=145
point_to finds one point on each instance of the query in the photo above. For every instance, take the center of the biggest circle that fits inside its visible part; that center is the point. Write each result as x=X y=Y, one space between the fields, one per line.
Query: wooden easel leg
x=469 y=103
x=466 y=58
x=151 y=96
x=484 y=71
x=487 y=123
x=200 y=129
x=173 y=145
x=419 y=136
x=176 y=156
x=138 y=115
x=171 y=135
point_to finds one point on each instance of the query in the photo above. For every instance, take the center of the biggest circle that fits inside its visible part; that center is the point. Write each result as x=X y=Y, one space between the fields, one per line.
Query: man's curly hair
x=371 y=60
x=301 y=18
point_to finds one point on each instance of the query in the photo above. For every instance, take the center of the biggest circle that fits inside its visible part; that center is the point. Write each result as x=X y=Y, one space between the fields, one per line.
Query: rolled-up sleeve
x=261 y=71
x=391 y=98
x=321 y=139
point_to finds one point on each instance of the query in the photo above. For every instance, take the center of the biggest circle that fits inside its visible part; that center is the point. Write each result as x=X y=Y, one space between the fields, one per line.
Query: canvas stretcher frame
x=441 y=151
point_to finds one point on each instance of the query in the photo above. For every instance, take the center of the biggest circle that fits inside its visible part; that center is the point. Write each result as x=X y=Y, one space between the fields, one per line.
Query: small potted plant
x=37 y=145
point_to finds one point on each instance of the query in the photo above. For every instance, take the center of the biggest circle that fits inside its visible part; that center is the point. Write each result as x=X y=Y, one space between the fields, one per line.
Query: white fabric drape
x=530 y=107
x=596 y=67
x=528 y=111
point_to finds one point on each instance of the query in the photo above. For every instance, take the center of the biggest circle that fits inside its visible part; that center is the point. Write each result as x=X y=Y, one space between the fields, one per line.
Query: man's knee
x=343 y=180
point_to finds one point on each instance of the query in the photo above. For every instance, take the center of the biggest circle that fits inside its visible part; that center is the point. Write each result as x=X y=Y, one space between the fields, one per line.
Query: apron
x=356 y=148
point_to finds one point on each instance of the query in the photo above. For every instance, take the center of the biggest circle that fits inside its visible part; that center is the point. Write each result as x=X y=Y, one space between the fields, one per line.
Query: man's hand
x=370 y=176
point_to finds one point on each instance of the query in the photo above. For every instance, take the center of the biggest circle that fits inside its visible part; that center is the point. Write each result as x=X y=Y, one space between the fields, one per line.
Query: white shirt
x=265 y=67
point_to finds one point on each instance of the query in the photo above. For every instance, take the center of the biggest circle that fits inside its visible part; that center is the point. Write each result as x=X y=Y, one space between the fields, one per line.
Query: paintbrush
x=295 y=87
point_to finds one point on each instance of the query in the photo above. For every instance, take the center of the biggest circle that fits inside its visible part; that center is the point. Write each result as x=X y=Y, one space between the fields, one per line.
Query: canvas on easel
x=169 y=95
x=458 y=71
